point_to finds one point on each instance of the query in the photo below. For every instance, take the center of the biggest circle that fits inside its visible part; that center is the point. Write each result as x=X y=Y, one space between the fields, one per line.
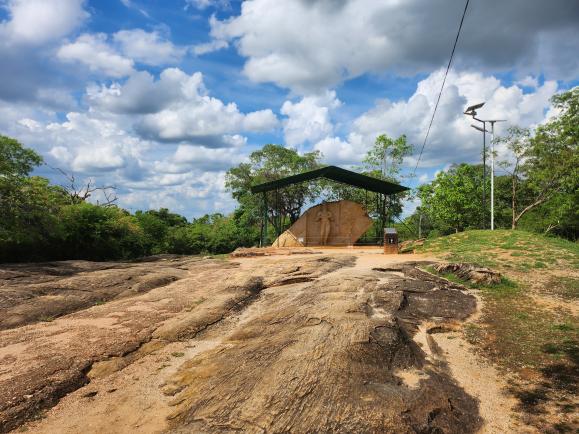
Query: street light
x=471 y=111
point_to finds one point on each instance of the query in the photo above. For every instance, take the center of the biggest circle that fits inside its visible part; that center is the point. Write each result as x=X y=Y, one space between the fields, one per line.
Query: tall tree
x=450 y=201
x=383 y=161
x=546 y=164
x=268 y=164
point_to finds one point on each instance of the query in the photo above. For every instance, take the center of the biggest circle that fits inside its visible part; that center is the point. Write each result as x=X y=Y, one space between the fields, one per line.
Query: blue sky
x=160 y=97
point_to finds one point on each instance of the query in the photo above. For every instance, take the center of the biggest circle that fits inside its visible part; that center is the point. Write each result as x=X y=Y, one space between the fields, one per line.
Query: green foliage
x=156 y=225
x=94 y=232
x=544 y=173
x=39 y=222
x=212 y=233
x=386 y=155
x=15 y=160
x=539 y=193
x=452 y=201
x=268 y=164
x=382 y=161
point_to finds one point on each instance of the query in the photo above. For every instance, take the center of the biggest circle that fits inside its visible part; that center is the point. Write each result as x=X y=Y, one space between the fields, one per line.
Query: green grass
x=565 y=287
x=514 y=330
x=518 y=250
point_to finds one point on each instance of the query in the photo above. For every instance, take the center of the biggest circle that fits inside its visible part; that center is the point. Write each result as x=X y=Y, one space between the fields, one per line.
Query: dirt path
x=328 y=342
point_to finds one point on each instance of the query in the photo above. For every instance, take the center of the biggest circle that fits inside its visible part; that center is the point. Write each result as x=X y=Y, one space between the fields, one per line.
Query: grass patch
x=496 y=249
x=515 y=330
x=177 y=354
x=565 y=287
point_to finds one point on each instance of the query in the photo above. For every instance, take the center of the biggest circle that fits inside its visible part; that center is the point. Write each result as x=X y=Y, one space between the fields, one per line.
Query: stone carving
x=325 y=218
x=338 y=223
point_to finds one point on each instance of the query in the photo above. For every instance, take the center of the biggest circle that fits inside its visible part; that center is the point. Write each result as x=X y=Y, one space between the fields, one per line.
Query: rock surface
x=314 y=343
x=347 y=221
x=471 y=273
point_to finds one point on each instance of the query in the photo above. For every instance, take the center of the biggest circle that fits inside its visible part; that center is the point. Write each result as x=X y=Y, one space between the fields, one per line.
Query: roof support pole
x=265 y=210
x=278 y=217
x=383 y=219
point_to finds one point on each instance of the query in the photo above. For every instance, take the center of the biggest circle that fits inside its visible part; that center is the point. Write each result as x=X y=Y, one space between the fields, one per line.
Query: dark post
x=264 y=242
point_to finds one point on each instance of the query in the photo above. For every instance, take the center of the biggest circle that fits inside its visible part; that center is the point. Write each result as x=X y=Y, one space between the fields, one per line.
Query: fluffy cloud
x=27 y=39
x=91 y=145
x=117 y=57
x=188 y=157
x=149 y=48
x=177 y=107
x=309 y=119
x=405 y=37
x=204 y=4
x=142 y=94
x=93 y=51
x=337 y=151
x=451 y=138
x=36 y=22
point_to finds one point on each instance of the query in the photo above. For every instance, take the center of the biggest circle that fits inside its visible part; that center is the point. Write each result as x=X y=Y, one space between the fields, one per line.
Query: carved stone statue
x=338 y=223
x=325 y=218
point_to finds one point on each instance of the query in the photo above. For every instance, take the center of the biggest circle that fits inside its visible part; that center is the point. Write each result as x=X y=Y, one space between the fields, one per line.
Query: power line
x=441 y=87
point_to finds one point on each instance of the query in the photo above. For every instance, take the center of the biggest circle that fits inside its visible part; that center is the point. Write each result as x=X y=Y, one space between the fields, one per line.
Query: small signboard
x=390 y=241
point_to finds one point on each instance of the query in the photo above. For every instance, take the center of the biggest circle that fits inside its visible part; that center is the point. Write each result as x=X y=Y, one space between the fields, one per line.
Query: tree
x=79 y=192
x=382 y=161
x=451 y=200
x=387 y=155
x=28 y=205
x=518 y=142
x=15 y=160
x=547 y=164
x=270 y=163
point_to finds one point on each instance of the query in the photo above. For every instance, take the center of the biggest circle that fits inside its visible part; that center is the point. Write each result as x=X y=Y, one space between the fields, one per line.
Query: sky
x=160 y=98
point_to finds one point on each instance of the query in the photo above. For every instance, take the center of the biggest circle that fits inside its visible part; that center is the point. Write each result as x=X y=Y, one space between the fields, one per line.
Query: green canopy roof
x=335 y=174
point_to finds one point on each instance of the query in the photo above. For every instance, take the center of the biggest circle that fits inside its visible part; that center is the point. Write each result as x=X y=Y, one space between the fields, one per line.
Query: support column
x=264 y=235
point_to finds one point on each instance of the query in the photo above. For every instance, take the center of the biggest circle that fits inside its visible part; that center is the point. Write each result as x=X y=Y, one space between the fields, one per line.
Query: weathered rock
x=344 y=221
x=471 y=273
x=272 y=344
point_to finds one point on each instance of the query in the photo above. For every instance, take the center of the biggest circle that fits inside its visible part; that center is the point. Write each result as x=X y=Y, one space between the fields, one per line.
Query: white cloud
x=261 y=120
x=204 y=4
x=37 y=22
x=451 y=138
x=177 y=107
x=141 y=93
x=337 y=151
x=316 y=44
x=88 y=144
x=528 y=81
x=209 y=47
x=147 y=47
x=188 y=157
x=115 y=57
x=93 y=51
x=309 y=119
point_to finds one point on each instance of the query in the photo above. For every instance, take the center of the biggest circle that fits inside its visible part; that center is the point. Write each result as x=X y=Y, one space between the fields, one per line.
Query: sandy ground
x=340 y=341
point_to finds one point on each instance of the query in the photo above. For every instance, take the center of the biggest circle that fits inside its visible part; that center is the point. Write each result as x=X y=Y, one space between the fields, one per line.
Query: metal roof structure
x=335 y=174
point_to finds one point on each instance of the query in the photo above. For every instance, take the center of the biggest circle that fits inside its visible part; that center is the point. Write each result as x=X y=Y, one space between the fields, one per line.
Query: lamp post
x=484 y=194
x=471 y=111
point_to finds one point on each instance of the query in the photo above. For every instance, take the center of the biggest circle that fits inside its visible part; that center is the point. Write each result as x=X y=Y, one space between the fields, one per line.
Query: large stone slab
x=339 y=223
